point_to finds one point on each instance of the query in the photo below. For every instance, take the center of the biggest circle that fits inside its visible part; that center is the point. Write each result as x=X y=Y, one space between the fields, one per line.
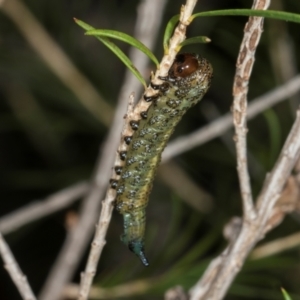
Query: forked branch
x=256 y=219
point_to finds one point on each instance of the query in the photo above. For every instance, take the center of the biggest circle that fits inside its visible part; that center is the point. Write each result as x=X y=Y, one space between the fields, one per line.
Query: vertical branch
x=245 y=61
x=222 y=270
x=107 y=205
x=15 y=272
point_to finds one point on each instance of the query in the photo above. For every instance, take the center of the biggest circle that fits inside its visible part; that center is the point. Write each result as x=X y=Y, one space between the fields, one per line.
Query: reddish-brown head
x=184 y=65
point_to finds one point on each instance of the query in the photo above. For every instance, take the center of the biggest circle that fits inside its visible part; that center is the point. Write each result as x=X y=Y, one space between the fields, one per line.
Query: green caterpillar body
x=188 y=80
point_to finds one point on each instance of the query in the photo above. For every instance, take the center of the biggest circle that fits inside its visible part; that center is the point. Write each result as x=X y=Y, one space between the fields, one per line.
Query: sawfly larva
x=187 y=81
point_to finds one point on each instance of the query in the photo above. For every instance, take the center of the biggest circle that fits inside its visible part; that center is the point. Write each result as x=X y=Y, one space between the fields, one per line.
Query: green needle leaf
x=195 y=40
x=83 y=25
x=114 y=48
x=285 y=294
x=169 y=31
x=279 y=15
x=124 y=38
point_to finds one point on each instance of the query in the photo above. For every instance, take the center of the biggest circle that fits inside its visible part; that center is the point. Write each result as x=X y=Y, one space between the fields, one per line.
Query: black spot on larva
x=148 y=148
x=166 y=110
x=131 y=194
x=172 y=103
x=154 y=137
x=136 y=180
x=145 y=131
x=144 y=114
x=120 y=189
x=123 y=155
x=155 y=119
x=118 y=170
x=178 y=93
x=127 y=139
x=140 y=168
x=134 y=125
x=136 y=145
x=155 y=86
x=126 y=174
x=113 y=183
x=119 y=206
x=131 y=160
x=164 y=87
x=150 y=98
x=164 y=78
x=174 y=113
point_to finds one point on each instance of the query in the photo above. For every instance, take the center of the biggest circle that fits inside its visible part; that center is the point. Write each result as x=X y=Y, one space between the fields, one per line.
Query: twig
x=129 y=289
x=175 y=293
x=222 y=124
x=15 y=272
x=56 y=60
x=222 y=270
x=287 y=203
x=210 y=112
x=245 y=61
x=77 y=239
x=99 y=239
x=185 y=187
x=277 y=246
x=39 y=209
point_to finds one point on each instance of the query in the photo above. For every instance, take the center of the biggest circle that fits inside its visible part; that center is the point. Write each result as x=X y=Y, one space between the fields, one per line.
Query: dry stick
x=210 y=112
x=107 y=206
x=128 y=290
x=277 y=246
x=39 y=209
x=185 y=187
x=222 y=270
x=245 y=62
x=77 y=239
x=15 y=272
x=222 y=124
x=57 y=60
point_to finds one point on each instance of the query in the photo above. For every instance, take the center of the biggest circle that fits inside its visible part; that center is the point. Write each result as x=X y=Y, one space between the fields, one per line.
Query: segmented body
x=187 y=81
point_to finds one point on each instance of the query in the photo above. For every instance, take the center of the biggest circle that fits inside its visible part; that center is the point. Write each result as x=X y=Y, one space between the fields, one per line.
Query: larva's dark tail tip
x=143 y=259
x=137 y=247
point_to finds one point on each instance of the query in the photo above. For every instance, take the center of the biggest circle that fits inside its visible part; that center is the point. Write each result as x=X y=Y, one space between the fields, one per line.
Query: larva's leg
x=134 y=230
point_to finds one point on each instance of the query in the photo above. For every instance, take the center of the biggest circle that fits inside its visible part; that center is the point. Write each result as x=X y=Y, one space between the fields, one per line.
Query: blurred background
x=56 y=111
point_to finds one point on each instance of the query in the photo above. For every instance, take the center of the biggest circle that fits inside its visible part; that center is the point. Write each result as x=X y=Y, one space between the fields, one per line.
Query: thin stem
x=245 y=62
x=39 y=209
x=99 y=239
x=15 y=272
x=223 y=269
